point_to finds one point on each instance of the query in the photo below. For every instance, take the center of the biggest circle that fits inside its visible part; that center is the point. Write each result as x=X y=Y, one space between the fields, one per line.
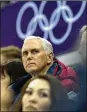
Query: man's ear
x=50 y=57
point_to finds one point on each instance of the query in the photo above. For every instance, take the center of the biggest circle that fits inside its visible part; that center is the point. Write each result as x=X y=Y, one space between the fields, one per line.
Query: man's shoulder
x=66 y=69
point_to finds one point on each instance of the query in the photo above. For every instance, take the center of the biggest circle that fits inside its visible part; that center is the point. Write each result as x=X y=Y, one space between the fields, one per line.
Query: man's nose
x=29 y=55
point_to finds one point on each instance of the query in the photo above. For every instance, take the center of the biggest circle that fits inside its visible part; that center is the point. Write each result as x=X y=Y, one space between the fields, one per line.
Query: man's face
x=82 y=49
x=35 y=59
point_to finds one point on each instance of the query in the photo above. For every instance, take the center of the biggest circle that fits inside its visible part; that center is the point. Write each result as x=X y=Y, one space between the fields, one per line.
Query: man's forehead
x=32 y=40
x=32 y=44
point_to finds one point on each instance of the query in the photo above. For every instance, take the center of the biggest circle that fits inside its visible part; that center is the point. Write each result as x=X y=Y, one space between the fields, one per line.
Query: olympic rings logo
x=39 y=18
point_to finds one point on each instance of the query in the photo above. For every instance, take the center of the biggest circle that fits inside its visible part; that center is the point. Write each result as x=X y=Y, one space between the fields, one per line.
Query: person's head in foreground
x=42 y=93
x=83 y=44
x=37 y=55
x=10 y=63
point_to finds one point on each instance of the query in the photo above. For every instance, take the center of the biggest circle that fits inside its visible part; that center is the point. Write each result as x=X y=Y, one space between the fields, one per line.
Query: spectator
x=38 y=58
x=7 y=95
x=82 y=72
x=83 y=43
x=42 y=93
x=11 y=68
x=9 y=52
x=11 y=57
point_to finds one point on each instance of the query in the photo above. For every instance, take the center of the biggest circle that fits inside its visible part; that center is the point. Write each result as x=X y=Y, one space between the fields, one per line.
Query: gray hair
x=45 y=43
x=82 y=30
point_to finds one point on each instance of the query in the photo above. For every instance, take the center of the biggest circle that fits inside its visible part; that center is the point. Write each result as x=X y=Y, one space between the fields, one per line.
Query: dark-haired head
x=58 y=95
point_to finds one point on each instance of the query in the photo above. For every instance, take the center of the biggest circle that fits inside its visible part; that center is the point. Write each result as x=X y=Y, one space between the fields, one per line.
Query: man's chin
x=32 y=71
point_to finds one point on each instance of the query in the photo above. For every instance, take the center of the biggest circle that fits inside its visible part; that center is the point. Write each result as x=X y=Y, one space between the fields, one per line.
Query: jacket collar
x=55 y=69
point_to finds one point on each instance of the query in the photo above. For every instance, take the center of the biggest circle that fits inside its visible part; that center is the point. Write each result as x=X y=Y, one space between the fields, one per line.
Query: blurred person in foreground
x=42 y=93
x=11 y=68
x=38 y=58
x=83 y=45
x=82 y=71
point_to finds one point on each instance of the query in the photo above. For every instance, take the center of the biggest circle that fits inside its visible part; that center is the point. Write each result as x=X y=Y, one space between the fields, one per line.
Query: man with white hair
x=38 y=59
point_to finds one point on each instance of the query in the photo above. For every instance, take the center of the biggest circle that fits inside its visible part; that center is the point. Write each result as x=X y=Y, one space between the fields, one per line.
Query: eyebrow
x=39 y=89
x=44 y=89
x=24 y=50
x=28 y=89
